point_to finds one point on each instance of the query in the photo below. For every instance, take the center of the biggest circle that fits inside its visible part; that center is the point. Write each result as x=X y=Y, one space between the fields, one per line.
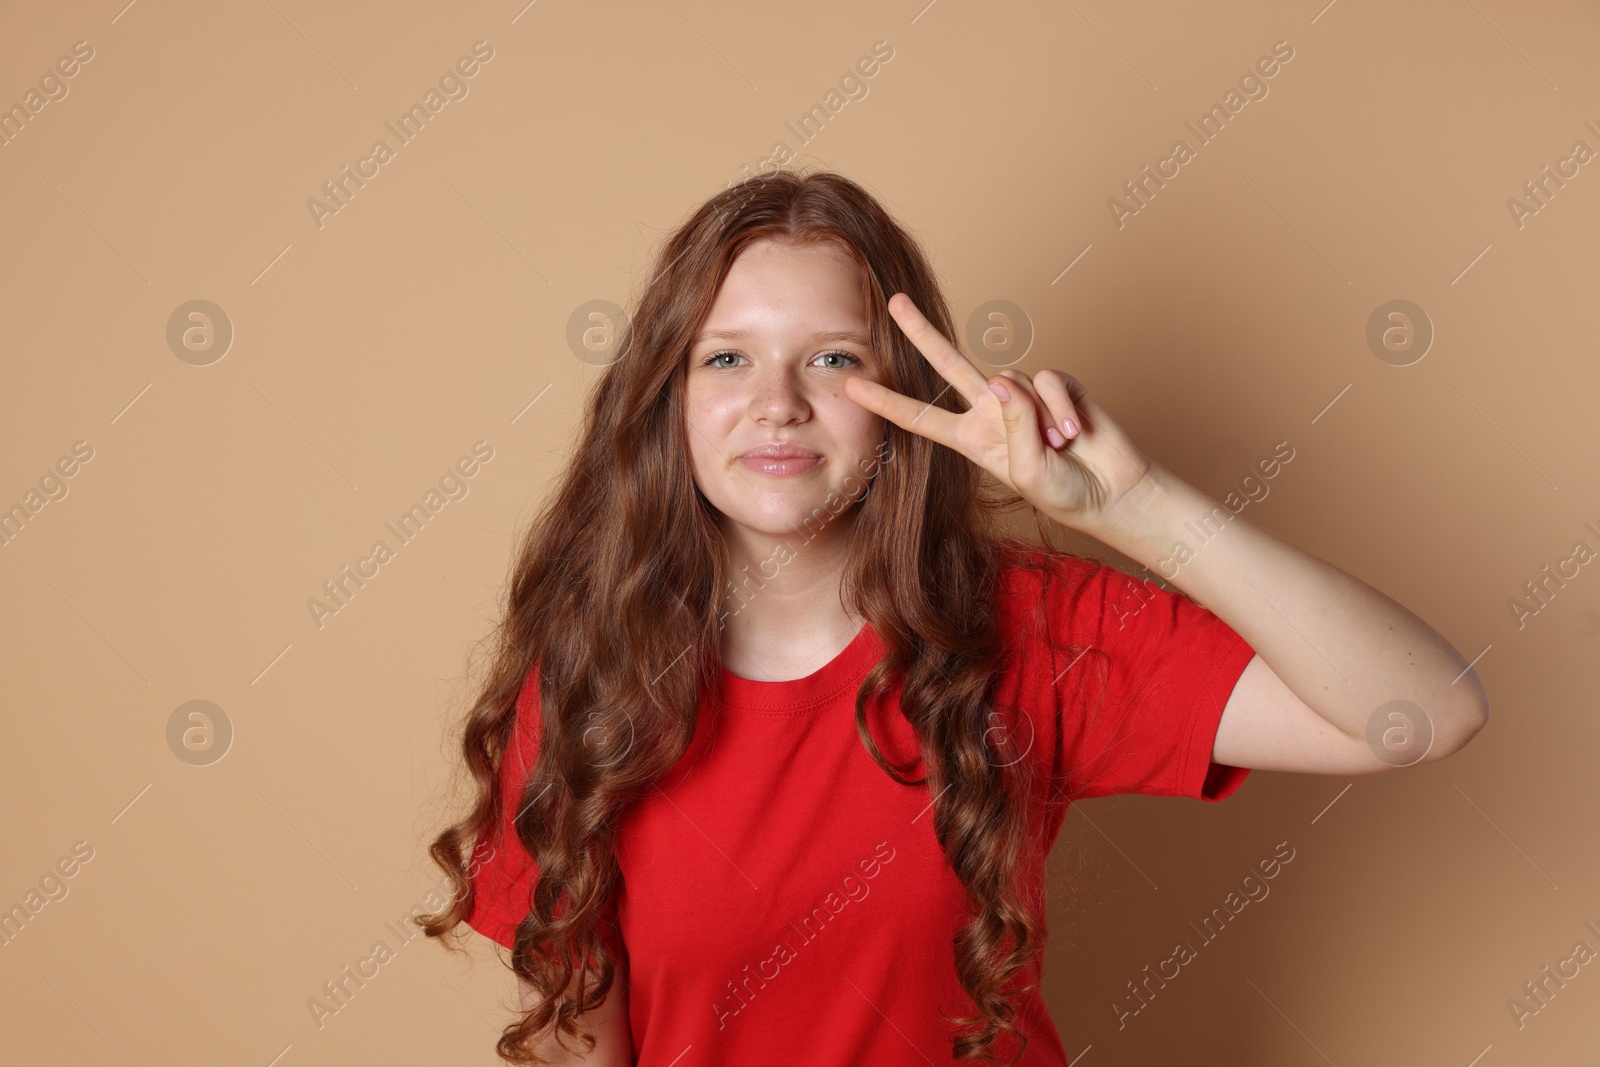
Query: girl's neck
x=783 y=616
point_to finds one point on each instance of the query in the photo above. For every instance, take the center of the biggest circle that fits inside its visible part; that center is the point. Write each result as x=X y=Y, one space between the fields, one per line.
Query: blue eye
x=845 y=355
x=713 y=357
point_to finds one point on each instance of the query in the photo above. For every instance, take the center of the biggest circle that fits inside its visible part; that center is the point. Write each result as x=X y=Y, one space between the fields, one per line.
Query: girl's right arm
x=613 y=1040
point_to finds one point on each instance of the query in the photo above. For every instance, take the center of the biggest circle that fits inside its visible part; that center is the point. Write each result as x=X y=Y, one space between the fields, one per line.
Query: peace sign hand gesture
x=1048 y=439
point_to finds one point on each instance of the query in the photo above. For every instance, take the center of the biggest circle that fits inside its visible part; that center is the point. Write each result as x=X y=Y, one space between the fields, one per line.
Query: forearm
x=608 y=1024
x=1341 y=646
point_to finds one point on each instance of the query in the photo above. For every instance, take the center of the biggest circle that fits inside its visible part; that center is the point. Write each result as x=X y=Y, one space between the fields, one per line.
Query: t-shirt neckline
x=810 y=692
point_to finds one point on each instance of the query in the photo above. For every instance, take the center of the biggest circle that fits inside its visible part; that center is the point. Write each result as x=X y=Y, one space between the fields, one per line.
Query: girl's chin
x=807 y=520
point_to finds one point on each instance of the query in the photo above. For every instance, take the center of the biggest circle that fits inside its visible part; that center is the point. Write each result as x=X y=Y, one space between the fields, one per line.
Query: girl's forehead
x=786 y=293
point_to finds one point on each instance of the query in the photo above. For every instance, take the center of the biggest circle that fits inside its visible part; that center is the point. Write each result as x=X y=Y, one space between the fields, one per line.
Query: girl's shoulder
x=1029 y=572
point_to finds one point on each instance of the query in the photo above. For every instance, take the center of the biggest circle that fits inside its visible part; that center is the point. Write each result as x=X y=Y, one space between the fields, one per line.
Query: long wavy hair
x=623 y=569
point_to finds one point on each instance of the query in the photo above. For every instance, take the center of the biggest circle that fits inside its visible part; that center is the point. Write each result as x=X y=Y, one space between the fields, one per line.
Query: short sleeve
x=1139 y=708
x=503 y=882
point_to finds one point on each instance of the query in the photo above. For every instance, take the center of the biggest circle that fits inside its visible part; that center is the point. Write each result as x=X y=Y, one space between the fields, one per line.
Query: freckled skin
x=780 y=383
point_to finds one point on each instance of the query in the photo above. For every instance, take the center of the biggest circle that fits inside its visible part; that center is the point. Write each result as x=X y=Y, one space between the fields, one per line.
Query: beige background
x=431 y=311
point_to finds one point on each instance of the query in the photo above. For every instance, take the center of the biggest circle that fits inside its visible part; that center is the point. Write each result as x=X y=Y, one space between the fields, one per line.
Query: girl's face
x=786 y=329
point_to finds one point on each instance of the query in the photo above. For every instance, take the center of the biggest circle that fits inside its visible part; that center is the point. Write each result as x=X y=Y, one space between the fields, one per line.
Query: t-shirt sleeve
x=1141 y=695
x=503 y=882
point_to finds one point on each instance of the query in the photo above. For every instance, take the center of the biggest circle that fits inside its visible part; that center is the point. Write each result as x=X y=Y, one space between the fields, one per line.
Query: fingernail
x=1000 y=391
x=1070 y=427
x=1053 y=435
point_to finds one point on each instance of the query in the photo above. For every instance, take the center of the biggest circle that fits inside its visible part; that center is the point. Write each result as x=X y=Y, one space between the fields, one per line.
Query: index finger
x=920 y=417
x=946 y=358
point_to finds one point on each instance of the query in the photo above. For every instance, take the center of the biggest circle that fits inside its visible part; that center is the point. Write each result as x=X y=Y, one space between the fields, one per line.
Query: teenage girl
x=781 y=724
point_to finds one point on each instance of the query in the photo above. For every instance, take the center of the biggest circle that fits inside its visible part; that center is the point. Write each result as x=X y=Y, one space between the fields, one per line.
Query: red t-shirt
x=782 y=892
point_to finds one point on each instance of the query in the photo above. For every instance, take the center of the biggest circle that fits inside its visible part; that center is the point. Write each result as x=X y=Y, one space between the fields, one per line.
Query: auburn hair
x=623 y=569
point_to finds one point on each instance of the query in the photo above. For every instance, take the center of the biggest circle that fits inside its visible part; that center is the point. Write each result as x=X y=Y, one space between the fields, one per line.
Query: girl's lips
x=786 y=467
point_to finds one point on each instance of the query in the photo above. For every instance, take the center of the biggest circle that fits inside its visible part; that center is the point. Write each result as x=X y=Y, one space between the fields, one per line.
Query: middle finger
x=1049 y=418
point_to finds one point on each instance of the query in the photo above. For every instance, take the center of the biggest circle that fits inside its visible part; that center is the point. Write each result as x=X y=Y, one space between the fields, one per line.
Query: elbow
x=1453 y=732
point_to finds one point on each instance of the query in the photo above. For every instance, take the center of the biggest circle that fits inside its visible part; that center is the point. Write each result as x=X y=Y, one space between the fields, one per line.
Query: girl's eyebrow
x=821 y=335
